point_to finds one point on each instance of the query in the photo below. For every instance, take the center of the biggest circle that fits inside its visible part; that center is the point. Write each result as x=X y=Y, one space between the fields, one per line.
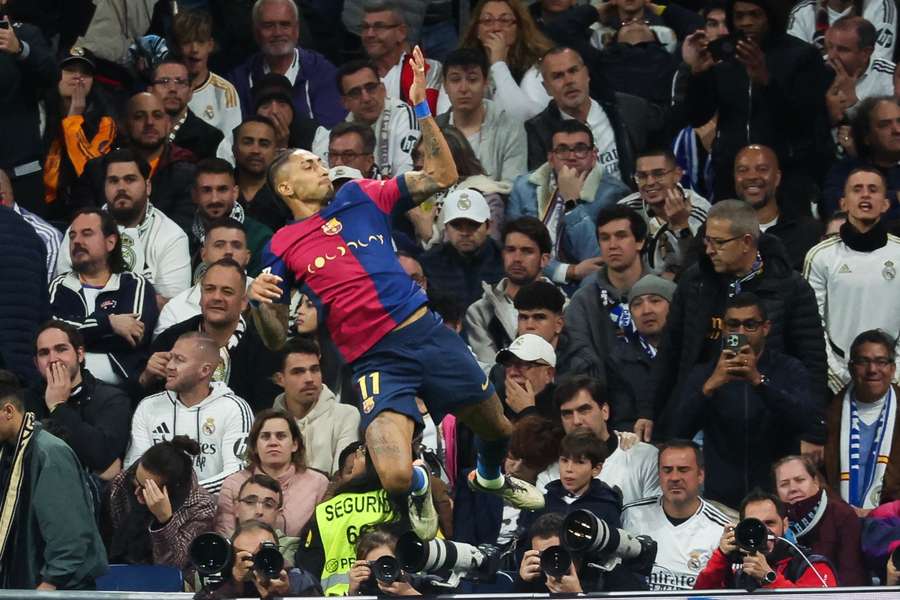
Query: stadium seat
x=141 y=578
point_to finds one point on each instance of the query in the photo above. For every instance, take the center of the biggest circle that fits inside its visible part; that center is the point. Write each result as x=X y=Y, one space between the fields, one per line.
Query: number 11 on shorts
x=369 y=399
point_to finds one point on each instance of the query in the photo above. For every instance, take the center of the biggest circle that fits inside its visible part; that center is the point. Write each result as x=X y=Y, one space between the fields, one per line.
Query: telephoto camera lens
x=386 y=569
x=752 y=535
x=210 y=553
x=268 y=560
x=556 y=561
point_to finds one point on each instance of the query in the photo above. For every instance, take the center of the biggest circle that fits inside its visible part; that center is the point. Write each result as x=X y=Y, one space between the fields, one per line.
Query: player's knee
x=396 y=481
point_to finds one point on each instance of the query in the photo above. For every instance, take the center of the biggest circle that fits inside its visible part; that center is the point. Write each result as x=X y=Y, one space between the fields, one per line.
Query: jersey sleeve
x=386 y=194
x=273 y=264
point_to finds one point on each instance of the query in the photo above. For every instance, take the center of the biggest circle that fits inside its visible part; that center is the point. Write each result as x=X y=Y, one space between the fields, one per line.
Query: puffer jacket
x=693 y=329
x=491 y=321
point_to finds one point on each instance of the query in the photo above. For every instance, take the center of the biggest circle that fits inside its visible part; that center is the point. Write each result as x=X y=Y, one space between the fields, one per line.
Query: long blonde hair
x=530 y=44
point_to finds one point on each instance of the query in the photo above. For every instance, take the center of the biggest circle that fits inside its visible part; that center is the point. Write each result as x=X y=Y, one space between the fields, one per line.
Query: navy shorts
x=424 y=359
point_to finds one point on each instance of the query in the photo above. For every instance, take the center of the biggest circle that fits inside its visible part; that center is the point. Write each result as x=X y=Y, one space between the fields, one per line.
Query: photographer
x=366 y=578
x=777 y=567
x=583 y=576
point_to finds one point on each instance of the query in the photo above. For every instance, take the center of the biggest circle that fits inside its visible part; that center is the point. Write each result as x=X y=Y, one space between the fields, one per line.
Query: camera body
x=725 y=47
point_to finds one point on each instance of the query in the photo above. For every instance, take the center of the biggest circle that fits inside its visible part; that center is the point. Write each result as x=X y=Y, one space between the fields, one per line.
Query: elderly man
x=276 y=27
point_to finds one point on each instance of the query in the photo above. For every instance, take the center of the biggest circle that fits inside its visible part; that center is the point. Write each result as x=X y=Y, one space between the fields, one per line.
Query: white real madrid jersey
x=683 y=550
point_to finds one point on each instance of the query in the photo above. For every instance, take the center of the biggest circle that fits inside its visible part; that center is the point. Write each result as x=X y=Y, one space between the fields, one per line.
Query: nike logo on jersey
x=484 y=386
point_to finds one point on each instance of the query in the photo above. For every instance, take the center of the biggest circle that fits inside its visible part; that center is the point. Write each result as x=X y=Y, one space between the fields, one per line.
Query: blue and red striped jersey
x=343 y=258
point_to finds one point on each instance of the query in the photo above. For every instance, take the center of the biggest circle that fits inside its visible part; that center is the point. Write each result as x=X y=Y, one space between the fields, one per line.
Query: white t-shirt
x=764 y=226
x=604 y=138
x=880 y=13
x=682 y=550
x=97 y=362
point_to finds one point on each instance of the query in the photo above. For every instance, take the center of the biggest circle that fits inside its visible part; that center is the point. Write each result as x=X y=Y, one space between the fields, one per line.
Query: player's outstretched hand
x=264 y=288
x=417 y=89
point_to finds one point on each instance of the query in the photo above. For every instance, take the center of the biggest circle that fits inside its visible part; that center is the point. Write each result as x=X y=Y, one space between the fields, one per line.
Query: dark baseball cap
x=77 y=54
x=272 y=86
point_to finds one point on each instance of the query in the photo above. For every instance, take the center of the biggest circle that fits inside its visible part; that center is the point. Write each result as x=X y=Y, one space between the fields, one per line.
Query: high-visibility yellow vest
x=341 y=521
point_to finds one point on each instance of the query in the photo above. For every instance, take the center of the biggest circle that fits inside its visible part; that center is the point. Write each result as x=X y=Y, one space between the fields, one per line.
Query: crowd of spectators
x=672 y=246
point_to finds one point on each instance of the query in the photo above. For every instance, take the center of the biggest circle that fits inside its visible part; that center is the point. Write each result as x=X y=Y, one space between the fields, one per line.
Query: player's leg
x=389 y=445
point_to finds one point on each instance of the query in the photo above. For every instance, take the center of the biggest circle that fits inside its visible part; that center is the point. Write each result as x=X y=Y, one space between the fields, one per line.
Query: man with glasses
x=673 y=214
x=391 y=119
x=863 y=416
x=849 y=271
x=566 y=193
x=737 y=259
x=172 y=85
x=752 y=403
x=352 y=145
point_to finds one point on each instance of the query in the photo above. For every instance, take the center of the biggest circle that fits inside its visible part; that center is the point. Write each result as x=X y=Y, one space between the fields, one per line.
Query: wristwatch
x=769 y=578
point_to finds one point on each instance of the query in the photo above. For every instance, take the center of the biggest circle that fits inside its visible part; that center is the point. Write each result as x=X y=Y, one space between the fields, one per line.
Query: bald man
x=194 y=405
x=756 y=179
x=50 y=235
x=147 y=127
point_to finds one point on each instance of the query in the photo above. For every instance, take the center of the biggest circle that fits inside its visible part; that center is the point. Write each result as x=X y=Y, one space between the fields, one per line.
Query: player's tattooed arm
x=270 y=319
x=439 y=171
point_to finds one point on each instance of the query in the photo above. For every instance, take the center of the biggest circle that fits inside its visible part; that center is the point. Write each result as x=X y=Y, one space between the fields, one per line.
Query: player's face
x=222 y=296
x=306 y=180
x=680 y=477
x=465 y=235
x=522 y=259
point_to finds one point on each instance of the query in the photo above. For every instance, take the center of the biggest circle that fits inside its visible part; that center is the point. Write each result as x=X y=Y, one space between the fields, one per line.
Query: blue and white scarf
x=858 y=488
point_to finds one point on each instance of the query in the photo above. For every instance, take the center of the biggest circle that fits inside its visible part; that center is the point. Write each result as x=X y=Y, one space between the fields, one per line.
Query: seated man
x=91 y=416
x=686 y=527
x=469 y=257
x=215 y=195
x=491 y=322
x=862 y=409
x=631 y=468
x=153 y=245
x=352 y=144
x=583 y=575
x=210 y=413
x=771 y=387
x=225 y=238
x=778 y=567
x=114 y=309
x=390 y=118
x=327 y=426
x=496 y=137
x=171 y=83
x=527 y=369
x=673 y=214
x=566 y=193
x=244 y=364
x=55 y=544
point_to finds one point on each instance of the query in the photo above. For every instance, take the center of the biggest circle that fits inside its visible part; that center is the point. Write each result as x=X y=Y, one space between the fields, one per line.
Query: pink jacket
x=302 y=492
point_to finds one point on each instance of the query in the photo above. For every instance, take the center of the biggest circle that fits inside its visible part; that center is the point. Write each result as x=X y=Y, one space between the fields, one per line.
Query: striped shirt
x=50 y=235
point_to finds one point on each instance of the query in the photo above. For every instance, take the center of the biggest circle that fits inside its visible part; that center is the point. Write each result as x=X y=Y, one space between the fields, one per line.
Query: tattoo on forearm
x=430 y=133
x=271 y=323
x=439 y=171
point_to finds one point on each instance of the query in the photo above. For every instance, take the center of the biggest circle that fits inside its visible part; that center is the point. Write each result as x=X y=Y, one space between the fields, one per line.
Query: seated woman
x=275 y=448
x=156 y=507
x=80 y=126
x=819 y=519
x=505 y=31
x=371 y=546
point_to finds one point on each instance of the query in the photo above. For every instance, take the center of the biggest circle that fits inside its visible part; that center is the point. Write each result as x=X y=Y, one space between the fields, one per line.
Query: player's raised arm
x=439 y=171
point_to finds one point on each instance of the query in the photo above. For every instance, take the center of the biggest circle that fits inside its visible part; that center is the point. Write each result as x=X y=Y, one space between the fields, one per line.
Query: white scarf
x=872 y=493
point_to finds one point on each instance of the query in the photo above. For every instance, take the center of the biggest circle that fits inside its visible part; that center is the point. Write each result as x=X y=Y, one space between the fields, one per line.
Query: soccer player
x=339 y=249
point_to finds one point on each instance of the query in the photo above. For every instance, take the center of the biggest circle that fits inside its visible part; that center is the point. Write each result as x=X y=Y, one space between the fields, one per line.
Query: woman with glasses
x=505 y=31
x=819 y=519
x=156 y=508
x=275 y=448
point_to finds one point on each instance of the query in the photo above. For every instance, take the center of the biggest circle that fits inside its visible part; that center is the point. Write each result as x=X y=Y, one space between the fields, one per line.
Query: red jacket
x=718 y=574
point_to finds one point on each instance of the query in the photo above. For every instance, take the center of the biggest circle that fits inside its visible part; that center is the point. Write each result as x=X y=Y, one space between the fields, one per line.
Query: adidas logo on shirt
x=160 y=433
x=844 y=269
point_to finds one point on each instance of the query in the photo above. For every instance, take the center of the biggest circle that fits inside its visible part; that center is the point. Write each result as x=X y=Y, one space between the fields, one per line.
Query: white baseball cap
x=530 y=348
x=465 y=204
x=343 y=172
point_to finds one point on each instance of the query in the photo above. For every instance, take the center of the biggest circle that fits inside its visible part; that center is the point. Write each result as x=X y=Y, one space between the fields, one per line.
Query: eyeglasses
x=378 y=27
x=655 y=174
x=254 y=501
x=718 y=243
x=167 y=81
x=345 y=156
x=579 y=150
x=357 y=92
x=747 y=324
x=523 y=365
x=865 y=361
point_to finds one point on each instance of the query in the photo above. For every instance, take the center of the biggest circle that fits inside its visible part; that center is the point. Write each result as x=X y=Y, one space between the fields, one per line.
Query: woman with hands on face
x=156 y=508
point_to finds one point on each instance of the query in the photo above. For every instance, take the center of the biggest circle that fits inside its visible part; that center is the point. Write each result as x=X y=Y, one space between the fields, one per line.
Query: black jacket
x=798 y=234
x=95 y=421
x=23 y=292
x=693 y=328
x=628 y=375
x=450 y=271
x=267 y=208
x=252 y=364
x=747 y=428
x=198 y=136
x=632 y=119
x=170 y=189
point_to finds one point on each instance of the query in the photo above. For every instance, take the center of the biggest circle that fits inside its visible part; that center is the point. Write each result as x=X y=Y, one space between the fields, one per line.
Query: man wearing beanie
x=770 y=91
x=752 y=403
